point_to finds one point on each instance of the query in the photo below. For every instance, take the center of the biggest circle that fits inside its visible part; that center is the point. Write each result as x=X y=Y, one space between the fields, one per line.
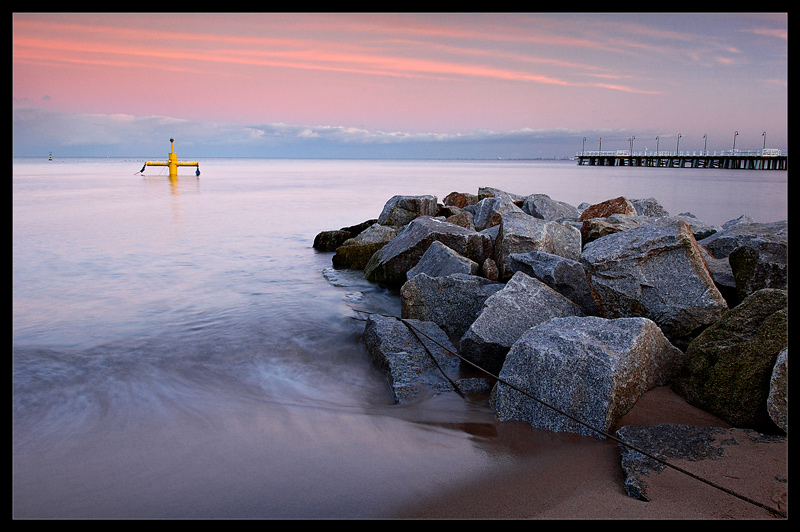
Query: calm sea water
x=178 y=352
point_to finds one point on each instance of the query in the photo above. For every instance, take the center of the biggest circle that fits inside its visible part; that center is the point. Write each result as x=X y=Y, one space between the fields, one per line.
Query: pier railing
x=682 y=153
x=766 y=159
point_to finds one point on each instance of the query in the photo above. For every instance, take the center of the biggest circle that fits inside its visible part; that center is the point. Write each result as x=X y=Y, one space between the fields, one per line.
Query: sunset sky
x=439 y=85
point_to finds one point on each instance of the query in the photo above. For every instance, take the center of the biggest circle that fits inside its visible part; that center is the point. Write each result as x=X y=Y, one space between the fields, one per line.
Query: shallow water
x=178 y=351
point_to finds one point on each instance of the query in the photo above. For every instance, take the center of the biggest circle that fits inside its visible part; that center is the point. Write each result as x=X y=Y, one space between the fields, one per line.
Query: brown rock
x=606 y=208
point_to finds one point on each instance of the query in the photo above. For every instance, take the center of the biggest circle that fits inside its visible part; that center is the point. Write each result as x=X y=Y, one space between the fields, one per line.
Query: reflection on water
x=180 y=350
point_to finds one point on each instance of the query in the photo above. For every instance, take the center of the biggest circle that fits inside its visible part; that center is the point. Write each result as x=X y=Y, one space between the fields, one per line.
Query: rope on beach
x=770 y=509
x=436 y=362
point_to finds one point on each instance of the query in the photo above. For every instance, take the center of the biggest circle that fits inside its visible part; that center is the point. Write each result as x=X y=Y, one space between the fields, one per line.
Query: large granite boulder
x=391 y=263
x=439 y=260
x=413 y=363
x=355 y=252
x=728 y=367
x=400 y=210
x=453 y=302
x=544 y=207
x=521 y=233
x=738 y=232
x=565 y=276
x=592 y=368
x=655 y=271
x=523 y=303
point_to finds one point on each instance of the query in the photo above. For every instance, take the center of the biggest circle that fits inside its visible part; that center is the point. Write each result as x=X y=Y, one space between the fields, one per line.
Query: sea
x=180 y=350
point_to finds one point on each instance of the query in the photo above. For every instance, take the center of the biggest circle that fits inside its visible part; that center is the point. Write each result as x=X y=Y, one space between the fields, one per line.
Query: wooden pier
x=744 y=160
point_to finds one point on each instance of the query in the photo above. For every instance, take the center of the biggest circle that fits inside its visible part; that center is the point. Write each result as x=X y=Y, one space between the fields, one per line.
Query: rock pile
x=583 y=308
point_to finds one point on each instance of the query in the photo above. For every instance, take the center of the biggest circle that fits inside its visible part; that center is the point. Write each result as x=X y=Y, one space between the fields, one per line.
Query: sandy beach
x=562 y=476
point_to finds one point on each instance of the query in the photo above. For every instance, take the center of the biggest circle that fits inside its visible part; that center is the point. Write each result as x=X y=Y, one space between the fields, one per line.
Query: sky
x=396 y=85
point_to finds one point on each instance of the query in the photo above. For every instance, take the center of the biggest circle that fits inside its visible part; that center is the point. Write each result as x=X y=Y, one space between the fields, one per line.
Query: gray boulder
x=544 y=207
x=565 y=276
x=400 y=353
x=524 y=302
x=649 y=207
x=439 y=260
x=727 y=368
x=734 y=235
x=761 y=262
x=453 y=302
x=489 y=211
x=655 y=271
x=391 y=263
x=591 y=368
x=355 y=252
x=778 y=398
x=521 y=233
x=400 y=210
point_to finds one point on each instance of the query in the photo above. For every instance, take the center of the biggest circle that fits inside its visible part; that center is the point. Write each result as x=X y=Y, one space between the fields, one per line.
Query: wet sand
x=561 y=476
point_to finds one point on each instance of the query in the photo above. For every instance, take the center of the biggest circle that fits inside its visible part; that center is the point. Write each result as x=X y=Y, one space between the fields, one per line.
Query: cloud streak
x=393 y=81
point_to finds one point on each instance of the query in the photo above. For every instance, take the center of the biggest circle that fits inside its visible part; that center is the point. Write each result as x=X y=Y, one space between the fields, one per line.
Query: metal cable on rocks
x=770 y=509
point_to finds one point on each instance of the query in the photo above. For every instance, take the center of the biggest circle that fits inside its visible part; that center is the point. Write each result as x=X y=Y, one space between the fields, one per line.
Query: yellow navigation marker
x=173 y=163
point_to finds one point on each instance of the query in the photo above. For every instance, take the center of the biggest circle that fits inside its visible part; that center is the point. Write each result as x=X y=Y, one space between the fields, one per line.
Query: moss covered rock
x=727 y=368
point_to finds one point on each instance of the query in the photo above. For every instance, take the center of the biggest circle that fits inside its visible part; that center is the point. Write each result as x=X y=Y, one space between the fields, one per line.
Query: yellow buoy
x=172 y=162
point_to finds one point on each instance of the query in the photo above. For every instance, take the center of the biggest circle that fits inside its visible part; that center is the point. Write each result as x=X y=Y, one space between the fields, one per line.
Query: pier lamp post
x=677 y=151
x=736 y=134
x=764 y=134
x=657 y=147
x=583 y=145
x=601 y=145
x=705 y=144
x=631 y=141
